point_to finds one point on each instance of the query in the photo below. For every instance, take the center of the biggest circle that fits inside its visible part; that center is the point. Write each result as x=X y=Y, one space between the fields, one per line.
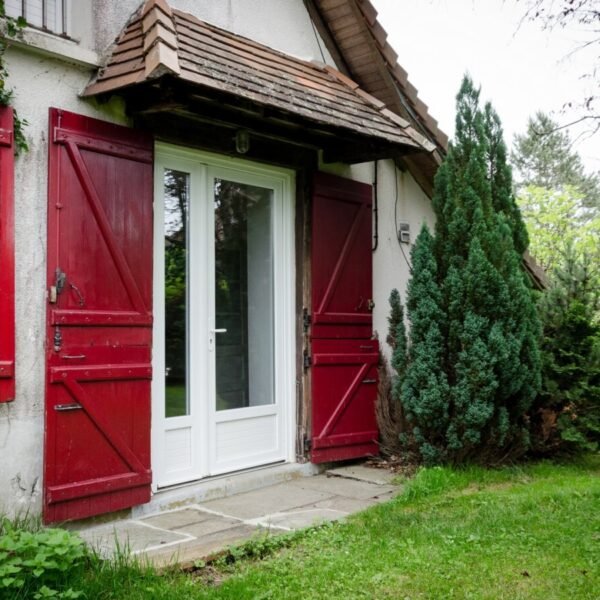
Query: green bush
x=38 y=564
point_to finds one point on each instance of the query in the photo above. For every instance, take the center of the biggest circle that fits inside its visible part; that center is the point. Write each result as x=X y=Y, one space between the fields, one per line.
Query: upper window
x=49 y=15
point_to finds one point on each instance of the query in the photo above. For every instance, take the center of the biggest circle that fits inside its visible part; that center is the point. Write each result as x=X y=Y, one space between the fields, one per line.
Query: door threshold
x=220 y=486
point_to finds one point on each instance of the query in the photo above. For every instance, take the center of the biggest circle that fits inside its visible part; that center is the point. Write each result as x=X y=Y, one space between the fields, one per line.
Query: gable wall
x=292 y=32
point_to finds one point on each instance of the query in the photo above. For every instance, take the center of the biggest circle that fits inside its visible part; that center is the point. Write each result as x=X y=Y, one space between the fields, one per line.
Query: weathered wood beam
x=226 y=112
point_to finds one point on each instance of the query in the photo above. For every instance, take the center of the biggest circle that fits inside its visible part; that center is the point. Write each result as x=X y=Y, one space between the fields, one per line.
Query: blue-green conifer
x=473 y=364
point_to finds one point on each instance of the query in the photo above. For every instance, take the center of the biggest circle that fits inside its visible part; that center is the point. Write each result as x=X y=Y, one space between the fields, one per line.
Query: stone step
x=362 y=472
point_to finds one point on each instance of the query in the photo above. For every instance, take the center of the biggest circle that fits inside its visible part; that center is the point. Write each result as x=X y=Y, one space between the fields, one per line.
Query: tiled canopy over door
x=7 y=264
x=344 y=357
x=97 y=453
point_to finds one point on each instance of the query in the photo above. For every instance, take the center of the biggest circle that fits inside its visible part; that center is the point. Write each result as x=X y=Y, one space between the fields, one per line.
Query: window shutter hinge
x=6 y=137
x=307 y=445
x=306 y=360
x=306 y=319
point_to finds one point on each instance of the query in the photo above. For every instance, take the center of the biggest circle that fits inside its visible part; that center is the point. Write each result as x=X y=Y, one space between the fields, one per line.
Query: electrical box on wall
x=404 y=233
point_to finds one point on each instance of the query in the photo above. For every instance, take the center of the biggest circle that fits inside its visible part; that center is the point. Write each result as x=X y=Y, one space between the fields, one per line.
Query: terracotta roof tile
x=161 y=40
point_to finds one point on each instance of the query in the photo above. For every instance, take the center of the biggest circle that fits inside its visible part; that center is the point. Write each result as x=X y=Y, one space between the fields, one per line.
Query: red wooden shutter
x=344 y=355
x=7 y=259
x=97 y=446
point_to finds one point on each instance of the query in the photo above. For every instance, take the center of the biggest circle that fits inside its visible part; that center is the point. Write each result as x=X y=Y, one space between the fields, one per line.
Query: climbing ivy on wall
x=10 y=29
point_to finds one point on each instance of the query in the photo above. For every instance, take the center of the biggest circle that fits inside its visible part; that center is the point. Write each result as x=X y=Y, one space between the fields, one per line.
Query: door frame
x=200 y=165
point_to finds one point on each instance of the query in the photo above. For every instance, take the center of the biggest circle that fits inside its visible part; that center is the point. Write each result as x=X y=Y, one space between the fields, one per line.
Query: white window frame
x=62 y=21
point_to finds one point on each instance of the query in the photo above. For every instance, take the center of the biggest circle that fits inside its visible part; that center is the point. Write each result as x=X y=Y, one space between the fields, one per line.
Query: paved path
x=198 y=531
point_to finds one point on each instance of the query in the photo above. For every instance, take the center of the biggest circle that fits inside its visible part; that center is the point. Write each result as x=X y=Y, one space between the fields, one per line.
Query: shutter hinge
x=307 y=445
x=6 y=137
x=306 y=319
x=306 y=359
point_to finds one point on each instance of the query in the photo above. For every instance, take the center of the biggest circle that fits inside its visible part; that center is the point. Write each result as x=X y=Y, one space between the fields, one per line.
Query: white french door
x=223 y=386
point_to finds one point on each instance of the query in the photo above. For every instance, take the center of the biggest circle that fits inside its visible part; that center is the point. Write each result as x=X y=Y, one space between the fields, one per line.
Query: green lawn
x=523 y=532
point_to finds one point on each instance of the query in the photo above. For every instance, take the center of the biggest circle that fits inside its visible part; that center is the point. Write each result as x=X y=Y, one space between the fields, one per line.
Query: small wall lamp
x=242 y=141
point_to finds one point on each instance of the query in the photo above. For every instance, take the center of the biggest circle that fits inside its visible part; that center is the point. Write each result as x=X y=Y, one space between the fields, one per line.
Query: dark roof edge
x=406 y=93
x=406 y=89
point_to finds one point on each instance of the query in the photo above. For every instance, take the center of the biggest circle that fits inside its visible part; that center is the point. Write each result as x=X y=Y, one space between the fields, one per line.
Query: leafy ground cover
x=522 y=532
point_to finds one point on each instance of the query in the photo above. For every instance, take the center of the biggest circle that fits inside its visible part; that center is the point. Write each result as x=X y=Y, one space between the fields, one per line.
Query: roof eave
x=148 y=50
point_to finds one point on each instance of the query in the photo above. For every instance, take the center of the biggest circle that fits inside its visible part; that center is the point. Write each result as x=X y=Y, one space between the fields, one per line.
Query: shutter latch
x=59 y=283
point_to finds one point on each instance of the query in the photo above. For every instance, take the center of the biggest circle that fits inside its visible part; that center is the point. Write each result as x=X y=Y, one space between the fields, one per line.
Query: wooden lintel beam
x=212 y=137
x=360 y=152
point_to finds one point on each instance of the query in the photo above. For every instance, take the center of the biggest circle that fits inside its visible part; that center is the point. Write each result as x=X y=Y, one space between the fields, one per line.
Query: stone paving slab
x=213 y=524
x=196 y=532
x=343 y=504
x=177 y=519
x=130 y=535
x=276 y=498
x=339 y=486
x=196 y=549
x=363 y=473
x=299 y=519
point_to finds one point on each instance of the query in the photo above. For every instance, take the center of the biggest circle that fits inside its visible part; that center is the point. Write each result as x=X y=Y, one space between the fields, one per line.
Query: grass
x=524 y=532
x=531 y=532
x=175 y=400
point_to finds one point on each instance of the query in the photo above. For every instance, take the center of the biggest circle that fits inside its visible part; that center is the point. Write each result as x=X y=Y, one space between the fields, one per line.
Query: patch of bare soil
x=394 y=464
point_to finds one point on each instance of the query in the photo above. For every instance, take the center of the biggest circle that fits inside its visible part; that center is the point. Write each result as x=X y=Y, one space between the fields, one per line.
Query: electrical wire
x=316 y=34
x=396 y=221
x=375 y=209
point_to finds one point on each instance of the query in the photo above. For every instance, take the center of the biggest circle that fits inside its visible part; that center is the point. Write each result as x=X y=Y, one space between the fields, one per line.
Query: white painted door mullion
x=200 y=281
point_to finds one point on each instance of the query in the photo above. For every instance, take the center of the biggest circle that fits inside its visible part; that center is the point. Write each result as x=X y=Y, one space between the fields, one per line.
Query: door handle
x=211 y=338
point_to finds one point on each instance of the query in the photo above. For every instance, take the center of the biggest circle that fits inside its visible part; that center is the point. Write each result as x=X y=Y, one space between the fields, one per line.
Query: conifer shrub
x=471 y=369
x=566 y=415
x=390 y=419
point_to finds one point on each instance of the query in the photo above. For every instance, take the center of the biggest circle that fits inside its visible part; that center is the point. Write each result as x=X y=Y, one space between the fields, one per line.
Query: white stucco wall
x=280 y=24
x=39 y=82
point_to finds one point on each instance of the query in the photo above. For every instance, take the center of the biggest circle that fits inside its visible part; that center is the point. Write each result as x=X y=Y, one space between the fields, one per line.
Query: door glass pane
x=243 y=295
x=176 y=202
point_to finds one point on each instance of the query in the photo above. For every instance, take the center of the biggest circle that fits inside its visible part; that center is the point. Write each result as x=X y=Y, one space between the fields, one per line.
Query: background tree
x=557 y=219
x=559 y=201
x=543 y=157
x=566 y=414
x=584 y=15
x=561 y=206
x=473 y=365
